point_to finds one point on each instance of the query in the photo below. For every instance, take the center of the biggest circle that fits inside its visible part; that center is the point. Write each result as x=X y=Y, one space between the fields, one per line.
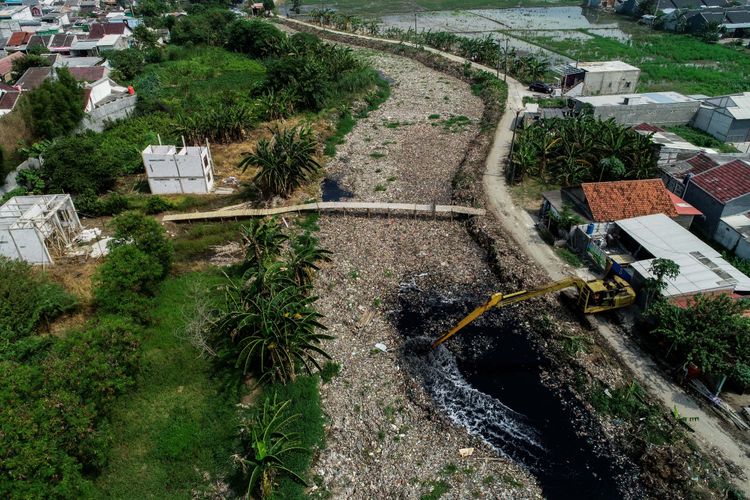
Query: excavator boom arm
x=500 y=300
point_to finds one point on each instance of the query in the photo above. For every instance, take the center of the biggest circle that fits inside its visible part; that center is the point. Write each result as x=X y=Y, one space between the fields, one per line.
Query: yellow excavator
x=593 y=296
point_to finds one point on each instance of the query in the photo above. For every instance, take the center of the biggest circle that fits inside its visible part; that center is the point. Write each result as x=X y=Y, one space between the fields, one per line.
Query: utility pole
x=510 y=156
x=505 y=67
x=415 y=23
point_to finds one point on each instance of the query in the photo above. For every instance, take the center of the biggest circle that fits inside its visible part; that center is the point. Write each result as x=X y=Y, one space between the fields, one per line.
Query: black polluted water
x=493 y=388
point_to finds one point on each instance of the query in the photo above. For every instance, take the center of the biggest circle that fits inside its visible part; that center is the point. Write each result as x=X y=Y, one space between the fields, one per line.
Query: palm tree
x=284 y=162
x=264 y=239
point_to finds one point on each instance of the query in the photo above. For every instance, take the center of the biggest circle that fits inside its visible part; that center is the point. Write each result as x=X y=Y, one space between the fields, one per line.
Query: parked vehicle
x=541 y=87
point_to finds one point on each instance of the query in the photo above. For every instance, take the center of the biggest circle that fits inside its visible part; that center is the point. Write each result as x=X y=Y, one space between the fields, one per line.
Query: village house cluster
x=73 y=34
x=702 y=195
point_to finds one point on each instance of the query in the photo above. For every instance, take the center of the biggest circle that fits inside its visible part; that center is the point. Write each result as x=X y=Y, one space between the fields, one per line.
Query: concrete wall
x=97 y=119
x=711 y=208
x=680 y=113
x=610 y=82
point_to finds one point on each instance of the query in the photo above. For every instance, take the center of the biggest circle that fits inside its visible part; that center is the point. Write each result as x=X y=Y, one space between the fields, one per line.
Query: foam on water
x=482 y=415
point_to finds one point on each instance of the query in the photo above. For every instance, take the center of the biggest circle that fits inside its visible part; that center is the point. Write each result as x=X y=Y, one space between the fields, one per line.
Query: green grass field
x=372 y=8
x=193 y=77
x=177 y=424
x=668 y=61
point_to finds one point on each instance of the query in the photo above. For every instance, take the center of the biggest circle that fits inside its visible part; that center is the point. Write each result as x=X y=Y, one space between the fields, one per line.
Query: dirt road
x=708 y=431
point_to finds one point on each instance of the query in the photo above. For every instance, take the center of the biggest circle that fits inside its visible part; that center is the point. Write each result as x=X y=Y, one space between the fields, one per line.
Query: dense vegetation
x=712 y=332
x=569 y=151
x=228 y=77
x=57 y=391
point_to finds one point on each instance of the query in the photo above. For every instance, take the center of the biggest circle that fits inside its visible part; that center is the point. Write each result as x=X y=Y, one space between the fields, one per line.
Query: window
x=627 y=85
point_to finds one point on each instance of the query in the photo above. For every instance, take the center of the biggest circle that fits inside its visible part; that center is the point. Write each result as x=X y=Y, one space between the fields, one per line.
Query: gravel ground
x=409 y=148
x=384 y=438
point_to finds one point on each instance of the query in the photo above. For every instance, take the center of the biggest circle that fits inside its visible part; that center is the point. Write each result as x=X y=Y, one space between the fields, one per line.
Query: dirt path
x=384 y=439
x=708 y=431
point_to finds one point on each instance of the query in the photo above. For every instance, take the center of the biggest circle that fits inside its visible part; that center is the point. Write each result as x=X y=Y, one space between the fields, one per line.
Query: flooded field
x=518 y=25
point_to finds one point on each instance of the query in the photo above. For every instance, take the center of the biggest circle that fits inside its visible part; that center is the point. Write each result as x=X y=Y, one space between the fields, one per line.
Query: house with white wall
x=176 y=171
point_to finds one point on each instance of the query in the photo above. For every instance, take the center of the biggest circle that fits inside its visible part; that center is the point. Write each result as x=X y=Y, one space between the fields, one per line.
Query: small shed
x=176 y=171
x=34 y=228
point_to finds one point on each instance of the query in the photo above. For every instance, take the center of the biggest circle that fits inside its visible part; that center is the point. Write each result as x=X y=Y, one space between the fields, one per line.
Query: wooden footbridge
x=238 y=212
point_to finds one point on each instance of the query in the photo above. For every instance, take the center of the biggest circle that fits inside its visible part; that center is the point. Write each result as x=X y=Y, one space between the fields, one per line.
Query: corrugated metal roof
x=33 y=78
x=702 y=268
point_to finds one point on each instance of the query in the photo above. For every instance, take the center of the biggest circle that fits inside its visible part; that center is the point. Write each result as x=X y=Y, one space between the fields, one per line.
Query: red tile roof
x=98 y=30
x=700 y=163
x=9 y=99
x=33 y=77
x=89 y=73
x=18 y=38
x=725 y=182
x=646 y=127
x=6 y=63
x=683 y=207
x=611 y=201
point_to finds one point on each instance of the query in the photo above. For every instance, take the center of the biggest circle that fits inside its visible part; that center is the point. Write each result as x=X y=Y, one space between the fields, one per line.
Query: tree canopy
x=57 y=106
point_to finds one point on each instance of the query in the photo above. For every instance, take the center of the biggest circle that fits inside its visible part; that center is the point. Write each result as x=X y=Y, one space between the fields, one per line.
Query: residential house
x=73 y=62
x=657 y=108
x=111 y=42
x=17 y=41
x=597 y=204
x=38 y=41
x=8 y=98
x=84 y=47
x=61 y=43
x=629 y=247
x=6 y=65
x=100 y=30
x=717 y=185
x=737 y=22
x=599 y=78
x=15 y=13
x=55 y=20
x=33 y=77
x=725 y=117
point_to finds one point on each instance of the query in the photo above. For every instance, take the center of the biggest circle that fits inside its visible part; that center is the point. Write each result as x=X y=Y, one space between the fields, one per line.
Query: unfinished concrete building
x=36 y=228
x=176 y=171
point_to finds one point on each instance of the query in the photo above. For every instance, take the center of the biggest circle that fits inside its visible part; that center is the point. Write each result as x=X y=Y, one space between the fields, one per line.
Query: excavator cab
x=602 y=295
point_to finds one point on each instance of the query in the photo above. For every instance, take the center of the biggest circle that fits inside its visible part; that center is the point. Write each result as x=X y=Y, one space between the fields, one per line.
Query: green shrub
x=124 y=282
x=147 y=235
x=258 y=39
x=157 y=204
x=29 y=300
x=54 y=435
x=56 y=107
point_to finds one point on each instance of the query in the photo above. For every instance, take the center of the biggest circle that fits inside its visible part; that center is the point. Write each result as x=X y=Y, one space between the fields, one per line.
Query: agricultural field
x=667 y=61
x=372 y=8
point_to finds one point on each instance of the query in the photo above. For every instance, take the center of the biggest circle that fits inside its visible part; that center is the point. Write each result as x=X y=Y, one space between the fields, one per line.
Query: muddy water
x=489 y=380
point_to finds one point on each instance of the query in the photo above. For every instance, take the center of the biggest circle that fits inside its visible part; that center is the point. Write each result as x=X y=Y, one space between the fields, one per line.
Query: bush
x=128 y=63
x=125 y=281
x=258 y=39
x=147 y=235
x=29 y=300
x=53 y=406
x=156 y=205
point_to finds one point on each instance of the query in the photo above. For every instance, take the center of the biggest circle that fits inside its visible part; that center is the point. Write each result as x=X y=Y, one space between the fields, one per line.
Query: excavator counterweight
x=593 y=296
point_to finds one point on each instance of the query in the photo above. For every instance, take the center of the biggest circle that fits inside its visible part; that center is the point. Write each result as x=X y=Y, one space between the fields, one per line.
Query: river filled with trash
x=488 y=378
